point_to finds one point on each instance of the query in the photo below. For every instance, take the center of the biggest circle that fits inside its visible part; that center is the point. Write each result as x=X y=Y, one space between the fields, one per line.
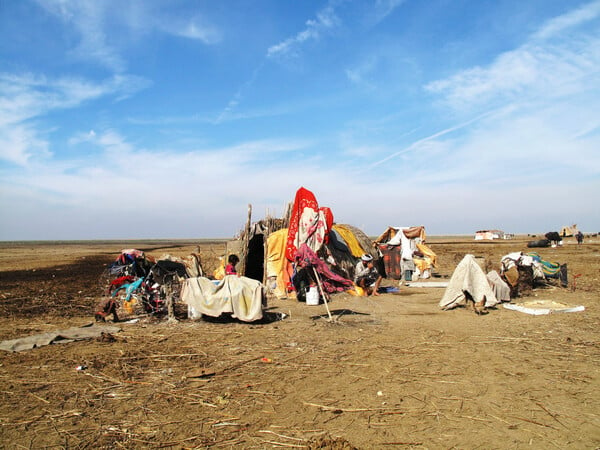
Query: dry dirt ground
x=390 y=372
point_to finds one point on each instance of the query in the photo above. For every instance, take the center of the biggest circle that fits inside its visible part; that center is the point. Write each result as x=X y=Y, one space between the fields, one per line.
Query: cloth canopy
x=353 y=245
x=240 y=296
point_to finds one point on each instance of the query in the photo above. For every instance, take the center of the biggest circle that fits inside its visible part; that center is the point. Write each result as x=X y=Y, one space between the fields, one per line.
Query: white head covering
x=366 y=257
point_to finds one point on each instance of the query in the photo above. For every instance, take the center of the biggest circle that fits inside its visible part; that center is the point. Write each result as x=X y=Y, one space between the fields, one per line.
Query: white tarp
x=468 y=277
x=543 y=307
x=240 y=296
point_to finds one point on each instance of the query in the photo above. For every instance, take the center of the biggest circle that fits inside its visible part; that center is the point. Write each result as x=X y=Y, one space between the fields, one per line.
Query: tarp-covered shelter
x=469 y=283
x=404 y=252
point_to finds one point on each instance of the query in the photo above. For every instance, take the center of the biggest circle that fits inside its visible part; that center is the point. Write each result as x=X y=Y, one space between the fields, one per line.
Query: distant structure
x=490 y=235
x=568 y=231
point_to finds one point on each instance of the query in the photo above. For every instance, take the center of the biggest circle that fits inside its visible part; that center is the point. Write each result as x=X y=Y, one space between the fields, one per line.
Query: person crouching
x=366 y=275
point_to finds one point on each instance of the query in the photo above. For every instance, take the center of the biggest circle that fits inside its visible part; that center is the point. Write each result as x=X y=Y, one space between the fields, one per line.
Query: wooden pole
x=266 y=235
x=246 y=242
x=323 y=293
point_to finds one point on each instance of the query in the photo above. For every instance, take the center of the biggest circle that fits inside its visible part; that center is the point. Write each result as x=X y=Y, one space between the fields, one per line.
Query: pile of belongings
x=469 y=285
x=137 y=283
x=405 y=255
x=524 y=271
x=313 y=248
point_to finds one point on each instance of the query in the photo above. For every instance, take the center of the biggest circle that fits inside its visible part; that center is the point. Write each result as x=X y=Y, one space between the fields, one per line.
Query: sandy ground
x=390 y=371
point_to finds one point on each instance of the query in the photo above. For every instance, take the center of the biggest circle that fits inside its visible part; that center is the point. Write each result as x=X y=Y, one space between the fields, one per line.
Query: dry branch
x=333 y=408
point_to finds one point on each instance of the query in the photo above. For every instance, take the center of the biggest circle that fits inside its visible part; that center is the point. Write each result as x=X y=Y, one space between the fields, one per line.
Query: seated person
x=230 y=268
x=366 y=275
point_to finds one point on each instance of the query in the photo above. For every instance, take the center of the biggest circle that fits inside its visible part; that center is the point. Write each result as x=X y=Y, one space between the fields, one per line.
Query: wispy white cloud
x=538 y=68
x=162 y=178
x=194 y=28
x=360 y=75
x=23 y=96
x=540 y=101
x=26 y=97
x=421 y=143
x=382 y=9
x=88 y=18
x=93 y=19
x=81 y=137
x=326 y=19
x=19 y=143
x=586 y=13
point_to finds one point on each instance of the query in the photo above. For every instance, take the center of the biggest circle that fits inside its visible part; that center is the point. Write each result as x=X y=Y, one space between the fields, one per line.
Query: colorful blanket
x=308 y=223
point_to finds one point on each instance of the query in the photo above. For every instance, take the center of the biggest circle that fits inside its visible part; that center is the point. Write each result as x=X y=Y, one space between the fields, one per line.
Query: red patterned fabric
x=304 y=199
x=328 y=220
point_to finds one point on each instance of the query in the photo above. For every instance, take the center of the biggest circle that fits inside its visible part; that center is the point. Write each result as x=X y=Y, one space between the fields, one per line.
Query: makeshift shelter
x=468 y=283
x=488 y=235
x=270 y=248
x=251 y=247
x=337 y=248
x=404 y=253
x=569 y=231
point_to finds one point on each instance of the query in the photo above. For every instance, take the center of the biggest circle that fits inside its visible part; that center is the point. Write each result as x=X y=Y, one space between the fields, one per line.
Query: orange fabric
x=277 y=264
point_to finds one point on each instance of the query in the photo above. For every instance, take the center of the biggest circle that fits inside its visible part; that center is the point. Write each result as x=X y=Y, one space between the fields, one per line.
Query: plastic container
x=312 y=296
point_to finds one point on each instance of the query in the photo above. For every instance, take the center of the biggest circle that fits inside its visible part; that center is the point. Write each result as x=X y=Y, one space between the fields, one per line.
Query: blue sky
x=165 y=119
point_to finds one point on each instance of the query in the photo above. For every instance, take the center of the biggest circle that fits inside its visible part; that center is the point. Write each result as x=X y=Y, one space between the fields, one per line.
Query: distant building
x=490 y=235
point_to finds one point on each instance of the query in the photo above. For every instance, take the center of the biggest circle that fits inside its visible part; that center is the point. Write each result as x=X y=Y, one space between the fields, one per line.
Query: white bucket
x=312 y=296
